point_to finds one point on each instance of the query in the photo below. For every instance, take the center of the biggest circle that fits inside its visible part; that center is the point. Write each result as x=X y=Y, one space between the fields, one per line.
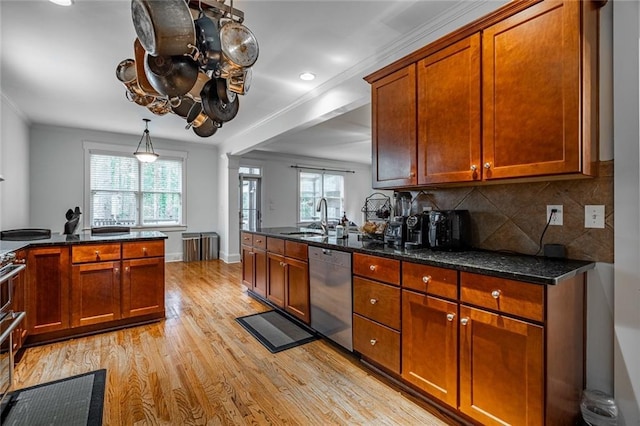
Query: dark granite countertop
x=532 y=269
x=81 y=238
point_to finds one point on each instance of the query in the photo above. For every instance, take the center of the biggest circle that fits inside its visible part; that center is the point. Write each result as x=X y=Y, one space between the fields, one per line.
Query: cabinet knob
x=116 y=270
x=412 y=174
x=487 y=166
x=426 y=279
x=373 y=301
x=450 y=317
x=373 y=267
x=474 y=167
x=495 y=294
x=258 y=241
x=464 y=321
x=144 y=250
x=97 y=252
x=126 y=269
x=21 y=261
x=373 y=341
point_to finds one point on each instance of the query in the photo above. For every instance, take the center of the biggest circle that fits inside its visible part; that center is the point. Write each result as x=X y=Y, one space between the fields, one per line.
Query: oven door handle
x=17 y=318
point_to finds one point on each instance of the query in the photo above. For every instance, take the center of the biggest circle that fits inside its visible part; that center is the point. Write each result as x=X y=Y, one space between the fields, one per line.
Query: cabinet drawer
x=246 y=238
x=260 y=241
x=377 y=268
x=95 y=252
x=430 y=279
x=275 y=245
x=142 y=249
x=376 y=342
x=296 y=250
x=507 y=296
x=379 y=302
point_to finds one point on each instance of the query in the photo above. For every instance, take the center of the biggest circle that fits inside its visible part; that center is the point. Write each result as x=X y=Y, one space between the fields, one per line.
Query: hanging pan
x=214 y=107
x=165 y=28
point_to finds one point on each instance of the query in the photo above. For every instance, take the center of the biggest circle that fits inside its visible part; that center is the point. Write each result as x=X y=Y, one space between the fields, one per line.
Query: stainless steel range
x=9 y=320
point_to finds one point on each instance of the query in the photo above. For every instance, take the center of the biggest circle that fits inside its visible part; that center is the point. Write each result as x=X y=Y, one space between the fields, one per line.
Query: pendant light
x=148 y=155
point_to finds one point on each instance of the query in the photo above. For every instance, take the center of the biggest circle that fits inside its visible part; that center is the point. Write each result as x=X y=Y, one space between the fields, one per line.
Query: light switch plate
x=593 y=216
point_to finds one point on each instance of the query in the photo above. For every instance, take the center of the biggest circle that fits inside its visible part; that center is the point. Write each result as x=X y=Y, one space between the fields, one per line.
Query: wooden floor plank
x=200 y=367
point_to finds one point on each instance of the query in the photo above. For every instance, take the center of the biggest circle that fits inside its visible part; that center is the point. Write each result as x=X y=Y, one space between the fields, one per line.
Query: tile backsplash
x=511 y=217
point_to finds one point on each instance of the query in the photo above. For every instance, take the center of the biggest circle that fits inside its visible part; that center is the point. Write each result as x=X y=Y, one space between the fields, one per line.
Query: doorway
x=250 y=198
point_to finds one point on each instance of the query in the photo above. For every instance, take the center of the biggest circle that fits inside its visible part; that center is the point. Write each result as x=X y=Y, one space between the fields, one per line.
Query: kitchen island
x=82 y=284
x=493 y=338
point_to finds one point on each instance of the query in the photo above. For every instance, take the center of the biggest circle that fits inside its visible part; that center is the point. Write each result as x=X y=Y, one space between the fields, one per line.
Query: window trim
x=113 y=149
x=320 y=172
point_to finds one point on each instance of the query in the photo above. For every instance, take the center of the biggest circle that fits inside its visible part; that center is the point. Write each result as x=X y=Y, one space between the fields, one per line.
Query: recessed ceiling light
x=307 y=76
x=62 y=2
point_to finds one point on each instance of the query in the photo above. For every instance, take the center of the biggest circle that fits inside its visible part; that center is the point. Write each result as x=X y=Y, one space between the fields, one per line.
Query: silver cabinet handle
x=126 y=269
x=373 y=341
x=450 y=317
x=372 y=267
x=464 y=321
x=487 y=166
x=474 y=167
x=426 y=279
x=373 y=301
x=495 y=294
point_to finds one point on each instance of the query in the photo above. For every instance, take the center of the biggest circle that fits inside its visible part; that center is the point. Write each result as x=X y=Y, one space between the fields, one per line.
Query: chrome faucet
x=323 y=215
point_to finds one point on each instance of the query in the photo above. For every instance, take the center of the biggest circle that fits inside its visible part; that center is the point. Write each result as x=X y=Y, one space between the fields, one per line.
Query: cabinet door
x=297 y=294
x=248 y=267
x=449 y=103
x=531 y=92
x=143 y=287
x=393 y=107
x=260 y=276
x=276 y=279
x=430 y=345
x=95 y=293
x=501 y=369
x=48 y=289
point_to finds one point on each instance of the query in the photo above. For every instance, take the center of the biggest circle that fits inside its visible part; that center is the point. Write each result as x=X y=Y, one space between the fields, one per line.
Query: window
x=314 y=186
x=125 y=192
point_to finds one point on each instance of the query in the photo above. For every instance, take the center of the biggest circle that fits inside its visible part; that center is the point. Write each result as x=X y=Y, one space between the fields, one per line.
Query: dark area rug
x=74 y=401
x=275 y=331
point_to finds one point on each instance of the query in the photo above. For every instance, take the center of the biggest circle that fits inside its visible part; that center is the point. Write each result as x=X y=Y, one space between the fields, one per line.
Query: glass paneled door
x=249 y=202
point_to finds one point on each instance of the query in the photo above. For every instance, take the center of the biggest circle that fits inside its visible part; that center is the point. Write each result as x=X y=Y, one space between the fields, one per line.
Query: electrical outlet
x=594 y=216
x=556 y=218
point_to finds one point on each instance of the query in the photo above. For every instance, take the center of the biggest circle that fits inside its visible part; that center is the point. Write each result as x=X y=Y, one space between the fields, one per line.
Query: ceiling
x=58 y=68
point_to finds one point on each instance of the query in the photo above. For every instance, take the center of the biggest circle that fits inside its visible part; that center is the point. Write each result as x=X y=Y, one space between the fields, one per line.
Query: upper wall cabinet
x=512 y=95
x=394 y=129
x=449 y=113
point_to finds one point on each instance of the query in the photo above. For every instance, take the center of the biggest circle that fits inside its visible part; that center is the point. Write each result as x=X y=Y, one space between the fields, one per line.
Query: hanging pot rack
x=218 y=9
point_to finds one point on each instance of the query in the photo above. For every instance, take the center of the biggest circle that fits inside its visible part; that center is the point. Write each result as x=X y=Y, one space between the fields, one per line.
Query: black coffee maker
x=395 y=234
x=417 y=231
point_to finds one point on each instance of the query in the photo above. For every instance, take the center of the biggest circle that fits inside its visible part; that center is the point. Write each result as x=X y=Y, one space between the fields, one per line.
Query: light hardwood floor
x=198 y=366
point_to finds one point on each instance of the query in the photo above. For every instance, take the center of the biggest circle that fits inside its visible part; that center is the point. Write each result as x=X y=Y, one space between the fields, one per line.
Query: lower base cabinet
x=430 y=322
x=142 y=286
x=377 y=343
x=95 y=293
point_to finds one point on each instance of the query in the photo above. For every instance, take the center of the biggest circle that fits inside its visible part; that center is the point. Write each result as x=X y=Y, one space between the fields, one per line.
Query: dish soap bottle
x=345 y=223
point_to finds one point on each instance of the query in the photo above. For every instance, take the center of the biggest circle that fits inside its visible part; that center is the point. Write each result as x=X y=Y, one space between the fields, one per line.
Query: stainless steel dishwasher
x=331 y=295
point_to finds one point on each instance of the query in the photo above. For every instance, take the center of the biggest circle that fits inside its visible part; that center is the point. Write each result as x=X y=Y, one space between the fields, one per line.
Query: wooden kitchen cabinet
x=142 y=286
x=511 y=95
x=297 y=289
x=276 y=279
x=394 y=129
x=540 y=91
x=288 y=277
x=376 y=310
x=449 y=105
x=95 y=292
x=254 y=263
x=48 y=280
x=430 y=322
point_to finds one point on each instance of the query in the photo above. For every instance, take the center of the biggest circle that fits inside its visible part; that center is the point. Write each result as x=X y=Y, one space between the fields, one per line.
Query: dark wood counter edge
x=529 y=278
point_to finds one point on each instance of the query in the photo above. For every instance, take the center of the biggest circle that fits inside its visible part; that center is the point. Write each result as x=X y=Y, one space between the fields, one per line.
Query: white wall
x=626 y=34
x=280 y=186
x=57 y=178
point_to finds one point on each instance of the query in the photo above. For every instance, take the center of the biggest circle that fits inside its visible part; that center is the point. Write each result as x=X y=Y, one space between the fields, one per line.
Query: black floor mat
x=74 y=401
x=275 y=331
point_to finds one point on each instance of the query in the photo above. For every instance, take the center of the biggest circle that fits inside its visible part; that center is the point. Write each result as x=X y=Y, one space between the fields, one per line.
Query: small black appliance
x=395 y=233
x=417 y=229
x=449 y=230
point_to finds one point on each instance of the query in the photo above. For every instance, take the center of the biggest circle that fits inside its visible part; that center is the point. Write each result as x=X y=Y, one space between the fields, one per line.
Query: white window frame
x=320 y=172
x=123 y=150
